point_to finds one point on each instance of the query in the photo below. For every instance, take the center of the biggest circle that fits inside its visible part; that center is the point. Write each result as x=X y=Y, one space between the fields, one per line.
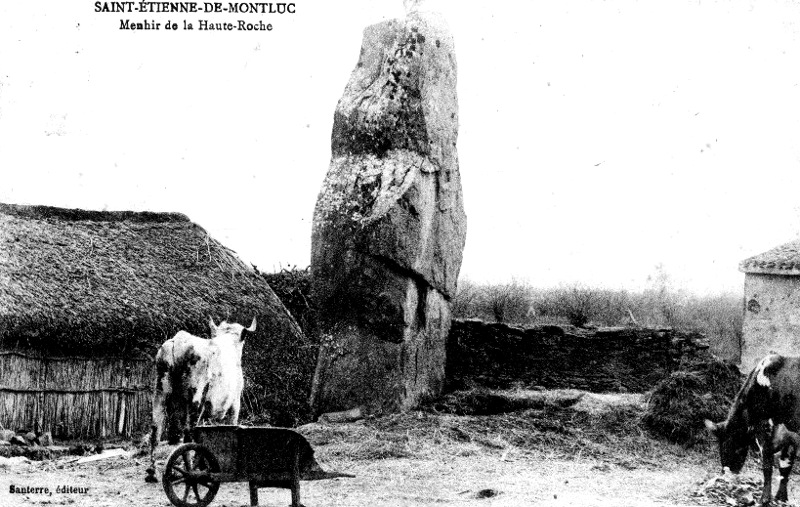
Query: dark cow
x=197 y=378
x=766 y=410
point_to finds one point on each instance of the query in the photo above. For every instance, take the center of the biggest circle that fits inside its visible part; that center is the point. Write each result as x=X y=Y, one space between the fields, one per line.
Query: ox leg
x=786 y=462
x=767 y=459
x=162 y=392
x=155 y=437
x=237 y=405
x=197 y=406
x=195 y=413
x=253 y=494
x=155 y=434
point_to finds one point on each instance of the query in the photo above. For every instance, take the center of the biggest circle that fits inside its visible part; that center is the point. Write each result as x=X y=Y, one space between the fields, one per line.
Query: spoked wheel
x=187 y=480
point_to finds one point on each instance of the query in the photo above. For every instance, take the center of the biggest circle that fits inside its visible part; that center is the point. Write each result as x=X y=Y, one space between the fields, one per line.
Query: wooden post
x=253 y=494
x=296 y=476
x=121 y=421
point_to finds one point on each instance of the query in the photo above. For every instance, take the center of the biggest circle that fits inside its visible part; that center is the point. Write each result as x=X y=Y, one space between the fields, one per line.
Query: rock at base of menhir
x=46 y=439
x=389 y=224
x=18 y=440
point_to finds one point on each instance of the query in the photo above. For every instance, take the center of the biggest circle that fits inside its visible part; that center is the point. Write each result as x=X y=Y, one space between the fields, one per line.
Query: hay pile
x=729 y=489
x=678 y=404
x=564 y=424
x=481 y=401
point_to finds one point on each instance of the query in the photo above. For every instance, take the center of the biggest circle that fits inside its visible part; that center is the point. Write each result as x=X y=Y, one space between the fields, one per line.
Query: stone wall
x=604 y=360
x=771 y=317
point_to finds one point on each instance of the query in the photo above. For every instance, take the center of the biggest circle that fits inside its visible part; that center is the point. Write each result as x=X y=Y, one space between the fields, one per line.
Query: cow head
x=236 y=331
x=733 y=445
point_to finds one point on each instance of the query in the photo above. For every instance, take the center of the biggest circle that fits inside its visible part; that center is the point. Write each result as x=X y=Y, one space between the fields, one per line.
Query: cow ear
x=212 y=325
x=252 y=327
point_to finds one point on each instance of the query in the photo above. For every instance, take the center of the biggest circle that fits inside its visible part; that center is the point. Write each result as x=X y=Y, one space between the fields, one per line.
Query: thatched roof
x=781 y=260
x=100 y=282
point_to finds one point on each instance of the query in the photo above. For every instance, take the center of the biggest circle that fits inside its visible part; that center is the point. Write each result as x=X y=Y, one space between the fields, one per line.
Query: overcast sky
x=598 y=139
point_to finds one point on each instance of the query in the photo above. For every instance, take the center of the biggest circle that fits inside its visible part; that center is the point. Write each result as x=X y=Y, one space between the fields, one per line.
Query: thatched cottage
x=771 y=304
x=86 y=299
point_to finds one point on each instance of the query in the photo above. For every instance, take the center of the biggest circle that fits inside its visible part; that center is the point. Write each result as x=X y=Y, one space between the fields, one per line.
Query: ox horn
x=212 y=325
x=713 y=427
x=252 y=327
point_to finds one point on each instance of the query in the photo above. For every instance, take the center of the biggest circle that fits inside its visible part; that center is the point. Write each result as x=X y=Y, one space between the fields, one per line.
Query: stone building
x=771 y=304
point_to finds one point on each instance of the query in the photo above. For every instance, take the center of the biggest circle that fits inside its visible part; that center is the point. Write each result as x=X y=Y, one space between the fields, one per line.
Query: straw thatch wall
x=80 y=289
x=74 y=396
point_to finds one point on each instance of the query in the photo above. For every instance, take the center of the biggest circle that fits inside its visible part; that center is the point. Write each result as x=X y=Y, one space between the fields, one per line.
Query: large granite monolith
x=389 y=224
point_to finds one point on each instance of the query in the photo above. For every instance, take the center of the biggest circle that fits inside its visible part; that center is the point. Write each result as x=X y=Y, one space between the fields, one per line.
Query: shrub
x=293 y=288
x=466 y=303
x=577 y=303
x=719 y=316
x=503 y=302
x=289 y=380
x=509 y=302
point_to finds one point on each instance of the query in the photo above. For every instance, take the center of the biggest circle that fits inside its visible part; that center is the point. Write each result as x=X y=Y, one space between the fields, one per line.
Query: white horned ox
x=197 y=378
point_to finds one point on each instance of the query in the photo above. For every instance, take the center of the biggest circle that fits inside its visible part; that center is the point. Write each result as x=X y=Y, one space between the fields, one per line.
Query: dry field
x=565 y=448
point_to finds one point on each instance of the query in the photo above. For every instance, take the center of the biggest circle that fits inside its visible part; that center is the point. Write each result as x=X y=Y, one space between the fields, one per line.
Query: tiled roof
x=781 y=260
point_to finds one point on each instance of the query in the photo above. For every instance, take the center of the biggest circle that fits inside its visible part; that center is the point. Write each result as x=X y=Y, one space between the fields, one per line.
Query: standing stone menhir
x=389 y=224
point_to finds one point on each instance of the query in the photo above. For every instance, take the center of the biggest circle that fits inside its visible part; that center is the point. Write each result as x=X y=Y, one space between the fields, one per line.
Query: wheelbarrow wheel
x=186 y=479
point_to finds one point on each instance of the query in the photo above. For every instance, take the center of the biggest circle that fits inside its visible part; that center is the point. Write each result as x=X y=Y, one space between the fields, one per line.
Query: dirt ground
x=546 y=457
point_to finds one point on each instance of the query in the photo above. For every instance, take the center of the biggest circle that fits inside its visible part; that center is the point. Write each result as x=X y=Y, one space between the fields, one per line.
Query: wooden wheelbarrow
x=262 y=457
